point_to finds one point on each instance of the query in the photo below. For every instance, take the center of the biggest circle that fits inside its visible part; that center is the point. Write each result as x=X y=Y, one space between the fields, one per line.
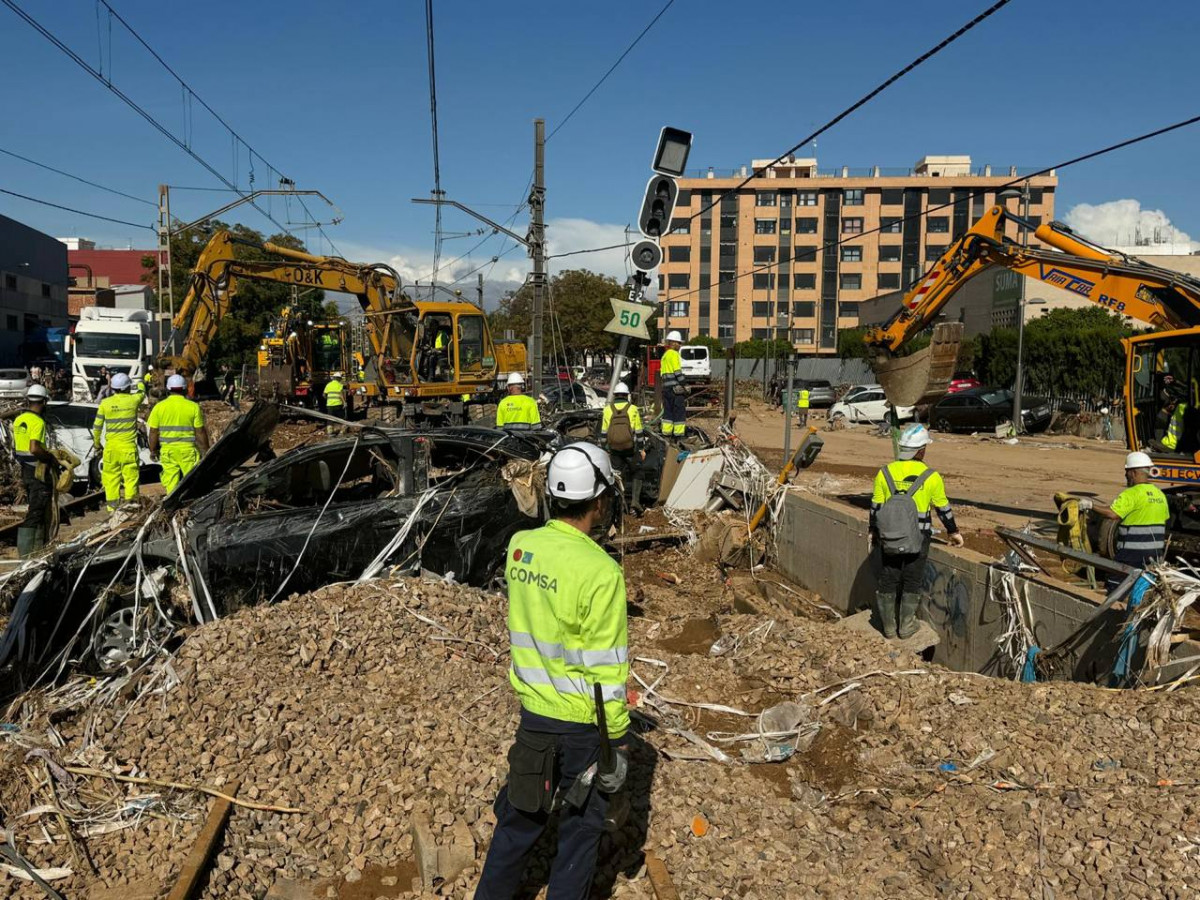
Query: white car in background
x=868 y=404
x=13 y=383
x=695 y=362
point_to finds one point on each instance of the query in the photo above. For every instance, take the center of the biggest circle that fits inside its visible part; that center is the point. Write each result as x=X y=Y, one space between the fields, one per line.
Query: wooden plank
x=205 y=846
x=626 y=540
x=660 y=878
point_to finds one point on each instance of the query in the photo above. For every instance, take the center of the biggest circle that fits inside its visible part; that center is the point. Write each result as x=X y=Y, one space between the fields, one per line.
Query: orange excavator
x=1162 y=368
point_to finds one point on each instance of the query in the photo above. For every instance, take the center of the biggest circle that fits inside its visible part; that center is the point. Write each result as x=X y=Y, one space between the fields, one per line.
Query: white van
x=695 y=362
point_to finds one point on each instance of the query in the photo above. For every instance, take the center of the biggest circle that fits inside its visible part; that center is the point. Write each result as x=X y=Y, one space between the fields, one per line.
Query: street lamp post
x=1018 y=384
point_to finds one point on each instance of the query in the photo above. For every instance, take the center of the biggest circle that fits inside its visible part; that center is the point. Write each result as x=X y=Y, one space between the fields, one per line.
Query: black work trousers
x=579 y=831
x=40 y=494
x=903 y=573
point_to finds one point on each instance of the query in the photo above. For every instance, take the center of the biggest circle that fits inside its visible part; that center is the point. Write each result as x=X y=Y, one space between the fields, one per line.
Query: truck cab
x=117 y=339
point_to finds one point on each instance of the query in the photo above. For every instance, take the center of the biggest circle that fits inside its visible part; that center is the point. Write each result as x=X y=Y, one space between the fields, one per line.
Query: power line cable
x=437 y=166
x=927 y=55
x=832 y=245
x=590 y=250
x=78 y=212
x=40 y=165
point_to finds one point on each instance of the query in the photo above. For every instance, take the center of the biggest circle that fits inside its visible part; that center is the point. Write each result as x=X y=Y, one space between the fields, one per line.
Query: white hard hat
x=37 y=392
x=176 y=383
x=1104 y=410
x=120 y=382
x=579 y=471
x=675 y=336
x=514 y=378
x=621 y=388
x=912 y=439
x=150 y=367
x=1138 y=460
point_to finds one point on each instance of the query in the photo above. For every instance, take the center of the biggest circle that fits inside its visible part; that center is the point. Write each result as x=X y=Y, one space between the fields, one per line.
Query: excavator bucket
x=924 y=376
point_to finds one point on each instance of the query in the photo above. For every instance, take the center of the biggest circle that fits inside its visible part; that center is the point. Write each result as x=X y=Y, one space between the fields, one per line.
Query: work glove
x=612 y=781
x=956 y=539
x=1085 y=503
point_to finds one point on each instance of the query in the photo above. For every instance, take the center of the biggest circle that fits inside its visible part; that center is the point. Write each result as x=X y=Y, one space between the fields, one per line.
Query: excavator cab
x=1162 y=401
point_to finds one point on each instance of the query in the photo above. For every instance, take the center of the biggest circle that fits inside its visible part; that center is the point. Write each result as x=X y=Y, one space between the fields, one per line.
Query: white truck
x=120 y=339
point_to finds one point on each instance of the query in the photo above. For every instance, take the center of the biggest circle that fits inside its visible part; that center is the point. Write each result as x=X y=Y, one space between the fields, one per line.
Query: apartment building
x=793 y=252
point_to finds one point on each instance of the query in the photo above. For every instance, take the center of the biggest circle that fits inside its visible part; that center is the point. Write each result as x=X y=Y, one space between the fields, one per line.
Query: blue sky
x=336 y=97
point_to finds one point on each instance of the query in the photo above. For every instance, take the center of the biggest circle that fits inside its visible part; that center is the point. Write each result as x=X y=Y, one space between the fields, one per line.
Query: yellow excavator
x=427 y=361
x=1162 y=368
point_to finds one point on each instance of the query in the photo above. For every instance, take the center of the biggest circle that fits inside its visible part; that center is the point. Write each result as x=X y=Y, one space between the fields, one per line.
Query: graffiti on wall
x=948 y=599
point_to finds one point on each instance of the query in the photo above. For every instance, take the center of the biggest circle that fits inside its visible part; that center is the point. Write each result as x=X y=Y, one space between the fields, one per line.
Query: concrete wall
x=835 y=371
x=823 y=546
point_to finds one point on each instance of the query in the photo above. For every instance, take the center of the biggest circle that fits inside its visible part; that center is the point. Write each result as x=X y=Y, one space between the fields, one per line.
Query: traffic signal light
x=646 y=255
x=670 y=158
x=661 y=194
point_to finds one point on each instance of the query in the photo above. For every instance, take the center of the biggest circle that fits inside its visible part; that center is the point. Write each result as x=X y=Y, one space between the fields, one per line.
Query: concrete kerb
x=822 y=546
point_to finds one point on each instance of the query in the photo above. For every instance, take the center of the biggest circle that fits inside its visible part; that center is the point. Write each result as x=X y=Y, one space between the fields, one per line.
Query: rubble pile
x=378 y=706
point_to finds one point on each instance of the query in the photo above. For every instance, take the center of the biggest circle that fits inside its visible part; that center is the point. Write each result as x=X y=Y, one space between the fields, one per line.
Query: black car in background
x=982 y=409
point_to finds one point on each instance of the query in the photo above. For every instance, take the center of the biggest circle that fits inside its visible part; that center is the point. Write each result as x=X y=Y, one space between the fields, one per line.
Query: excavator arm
x=214 y=282
x=1125 y=285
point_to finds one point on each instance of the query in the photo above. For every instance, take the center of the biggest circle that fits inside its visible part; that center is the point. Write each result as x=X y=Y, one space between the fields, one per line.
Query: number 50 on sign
x=629 y=318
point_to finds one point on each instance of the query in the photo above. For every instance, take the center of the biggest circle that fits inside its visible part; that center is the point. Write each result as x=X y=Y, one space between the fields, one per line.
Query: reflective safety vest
x=117 y=419
x=670 y=369
x=1144 y=512
x=568 y=626
x=929 y=496
x=27 y=428
x=518 y=411
x=439 y=342
x=802 y=399
x=333 y=394
x=177 y=418
x=1175 y=427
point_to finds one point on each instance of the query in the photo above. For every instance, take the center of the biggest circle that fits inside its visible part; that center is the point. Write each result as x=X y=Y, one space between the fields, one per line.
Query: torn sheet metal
x=693 y=484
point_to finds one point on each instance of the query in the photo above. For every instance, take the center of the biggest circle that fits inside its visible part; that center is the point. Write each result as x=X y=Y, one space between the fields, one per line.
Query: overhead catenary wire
x=865 y=99
x=855 y=238
x=49 y=168
x=78 y=212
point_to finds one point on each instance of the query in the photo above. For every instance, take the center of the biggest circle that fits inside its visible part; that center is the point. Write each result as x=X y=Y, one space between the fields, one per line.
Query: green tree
x=715 y=348
x=851 y=345
x=256 y=303
x=757 y=348
x=578 y=302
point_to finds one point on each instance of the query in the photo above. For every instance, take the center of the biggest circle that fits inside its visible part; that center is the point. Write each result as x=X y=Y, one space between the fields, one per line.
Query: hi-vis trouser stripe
x=1141 y=537
x=177 y=434
x=517 y=426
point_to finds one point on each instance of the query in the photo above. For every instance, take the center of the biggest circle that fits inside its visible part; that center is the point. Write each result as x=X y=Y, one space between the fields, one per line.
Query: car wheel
x=942 y=424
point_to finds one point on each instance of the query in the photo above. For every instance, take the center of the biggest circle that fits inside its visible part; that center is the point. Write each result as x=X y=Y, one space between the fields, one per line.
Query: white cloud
x=566 y=235
x=1123 y=223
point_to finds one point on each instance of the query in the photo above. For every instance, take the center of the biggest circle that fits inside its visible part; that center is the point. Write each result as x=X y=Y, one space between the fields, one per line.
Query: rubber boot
x=885 y=609
x=26 y=538
x=908 y=614
x=636 y=505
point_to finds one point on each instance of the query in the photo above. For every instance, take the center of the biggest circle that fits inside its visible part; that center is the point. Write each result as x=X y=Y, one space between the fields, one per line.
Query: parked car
x=963 y=381
x=820 y=393
x=982 y=409
x=868 y=406
x=856 y=389
x=71 y=428
x=572 y=395
x=695 y=363
x=13 y=383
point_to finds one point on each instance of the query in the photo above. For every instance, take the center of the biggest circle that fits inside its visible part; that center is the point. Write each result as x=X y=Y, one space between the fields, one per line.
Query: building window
x=680 y=226
x=726 y=276
x=938 y=196
x=764 y=198
x=852 y=254
x=1035 y=195
x=804 y=309
x=934 y=252
x=938 y=225
x=889 y=253
x=678 y=281
x=705 y=280
x=679 y=254
x=806 y=198
x=1035 y=221
x=804 y=335
x=10 y=282
x=804 y=281
x=890 y=224
x=785 y=200
x=785 y=225
x=13 y=325
x=760 y=309
x=725 y=331
x=852 y=197
x=764 y=226
x=661 y=281
x=852 y=225
x=760 y=334
x=892 y=196
x=728 y=248
x=806 y=253
x=764 y=254
x=678 y=309
x=762 y=281
x=729 y=221
x=806 y=225
x=45 y=290
x=850 y=281
x=684 y=198
x=889 y=281
x=705 y=253
x=848 y=310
